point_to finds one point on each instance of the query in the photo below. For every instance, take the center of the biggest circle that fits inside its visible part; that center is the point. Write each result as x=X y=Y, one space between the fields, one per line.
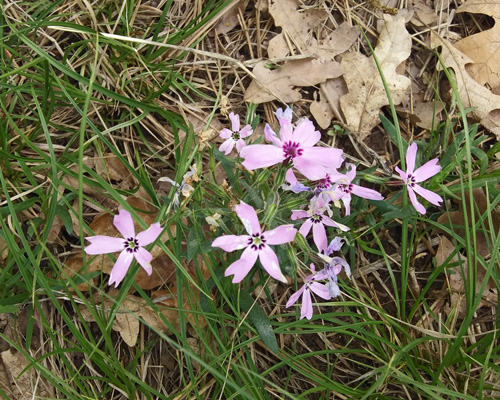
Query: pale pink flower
x=295 y=146
x=256 y=245
x=317 y=222
x=130 y=245
x=235 y=135
x=345 y=187
x=320 y=289
x=412 y=177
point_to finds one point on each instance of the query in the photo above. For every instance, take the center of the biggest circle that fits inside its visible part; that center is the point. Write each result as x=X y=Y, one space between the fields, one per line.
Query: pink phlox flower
x=235 y=135
x=412 y=177
x=130 y=245
x=332 y=268
x=317 y=222
x=294 y=185
x=345 y=187
x=295 y=146
x=320 y=289
x=256 y=245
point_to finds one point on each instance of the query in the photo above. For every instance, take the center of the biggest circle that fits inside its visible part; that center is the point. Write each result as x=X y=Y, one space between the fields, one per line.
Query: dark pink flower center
x=292 y=149
x=325 y=183
x=257 y=241
x=410 y=180
x=346 y=188
x=316 y=219
x=131 y=245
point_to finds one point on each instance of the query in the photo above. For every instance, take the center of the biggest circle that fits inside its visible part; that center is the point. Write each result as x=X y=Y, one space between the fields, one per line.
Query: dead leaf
x=457 y=219
x=297 y=28
x=473 y=94
x=4 y=250
x=300 y=33
x=282 y=82
x=127 y=325
x=18 y=386
x=457 y=277
x=361 y=106
x=483 y=48
x=327 y=107
x=425 y=114
x=424 y=16
x=229 y=18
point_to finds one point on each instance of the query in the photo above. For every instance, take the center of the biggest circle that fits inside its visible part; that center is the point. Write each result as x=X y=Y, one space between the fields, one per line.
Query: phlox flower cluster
x=295 y=147
x=329 y=185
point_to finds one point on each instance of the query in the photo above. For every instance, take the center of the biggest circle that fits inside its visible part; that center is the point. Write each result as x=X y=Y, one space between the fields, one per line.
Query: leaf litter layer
x=91 y=123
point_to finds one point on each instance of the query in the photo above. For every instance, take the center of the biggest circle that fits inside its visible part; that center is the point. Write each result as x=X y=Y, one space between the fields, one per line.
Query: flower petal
x=321 y=290
x=413 y=198
x=240 y=268
x=284 y=117
x=305 y=133
x=319 y=236
x=366 y=193
x=330 y=222
x=246 y=131
x=240 y=143
x=149 y=235
x=305 y=228
x=351 y=172
x=120 y=268
x=144 y=258
x=315 y=162
x=235 y=122
x=335 y=245
x=248 y=217
x=270 y=262
x=291 y=178
x=261 y=155
x=297 y=214
x=104 y=244
x=294 y=297
x=281 y=234
x=429 y=169
x=225 y=134
x=231 y=242
x=430 y=196
x=411 y=156
x=271 y=136
x=307 y=309
x=125 y=224
x=227 y=146
x=346 y=199
x=402 y=174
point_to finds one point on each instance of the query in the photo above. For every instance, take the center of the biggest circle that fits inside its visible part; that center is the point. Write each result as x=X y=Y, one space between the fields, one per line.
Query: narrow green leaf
x=259 y=320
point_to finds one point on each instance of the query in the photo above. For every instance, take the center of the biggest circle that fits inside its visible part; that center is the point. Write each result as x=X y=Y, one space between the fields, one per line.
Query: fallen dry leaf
x=483 y=48
x=457 y=277
x=327 y=106
x=15 y=385
x=361 y=106
x=457 y=219
x=473 y=94
x=133 y=307
x=229 y=19
x=301 y=32
x=282 y=82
